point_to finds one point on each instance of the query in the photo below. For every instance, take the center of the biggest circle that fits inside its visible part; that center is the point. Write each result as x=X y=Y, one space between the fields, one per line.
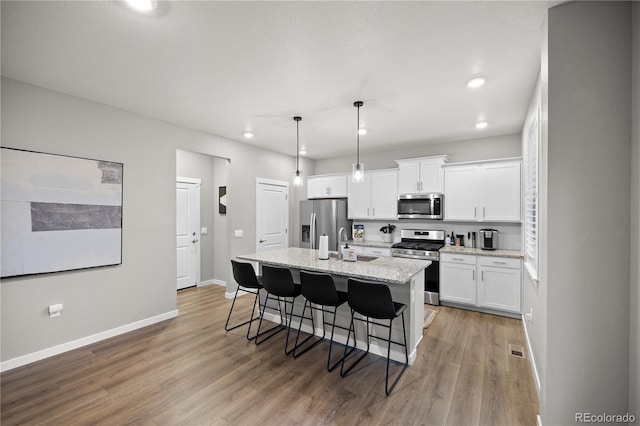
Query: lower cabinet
x=482 y=281
x=458 y=279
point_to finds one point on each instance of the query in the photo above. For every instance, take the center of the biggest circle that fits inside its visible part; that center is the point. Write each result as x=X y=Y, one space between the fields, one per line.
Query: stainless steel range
x=423 y=244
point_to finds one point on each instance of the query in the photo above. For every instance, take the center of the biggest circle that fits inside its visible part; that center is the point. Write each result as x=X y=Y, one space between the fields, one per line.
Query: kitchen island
x=405 y=278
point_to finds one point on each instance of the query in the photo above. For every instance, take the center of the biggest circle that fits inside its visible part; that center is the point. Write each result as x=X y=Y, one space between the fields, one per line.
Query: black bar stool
x=278 y=282
x=373 y=300
x=245 y=276
x=320 y=289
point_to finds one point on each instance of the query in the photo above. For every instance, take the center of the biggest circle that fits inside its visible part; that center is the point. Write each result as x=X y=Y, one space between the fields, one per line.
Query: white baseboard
x=212 y=282
x=533 y=360
x=75 y=344
x=229 y=295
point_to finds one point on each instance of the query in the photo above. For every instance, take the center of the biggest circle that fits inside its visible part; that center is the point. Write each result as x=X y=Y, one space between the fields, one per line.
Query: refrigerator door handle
x=313 y=231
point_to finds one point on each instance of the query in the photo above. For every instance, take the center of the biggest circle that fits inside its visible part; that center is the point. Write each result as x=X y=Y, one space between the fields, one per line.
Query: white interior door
x=272 y=215
x=187 y=233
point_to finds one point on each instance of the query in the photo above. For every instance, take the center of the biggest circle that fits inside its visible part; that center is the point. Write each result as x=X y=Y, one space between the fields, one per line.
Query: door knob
x=194 y=241
x=262 y=241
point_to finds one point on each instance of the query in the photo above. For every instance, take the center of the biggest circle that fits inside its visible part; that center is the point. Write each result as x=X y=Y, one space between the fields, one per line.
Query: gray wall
x=467 y=150
x=634 y=337
x=144 y=286
x=589 y=134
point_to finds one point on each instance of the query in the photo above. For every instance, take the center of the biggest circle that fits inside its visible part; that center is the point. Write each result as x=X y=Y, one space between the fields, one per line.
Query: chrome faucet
x=340 y=232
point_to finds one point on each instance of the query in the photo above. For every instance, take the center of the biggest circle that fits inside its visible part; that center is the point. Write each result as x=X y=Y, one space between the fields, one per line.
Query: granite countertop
x=479 y=252
x=391 y=270
x=366 y=243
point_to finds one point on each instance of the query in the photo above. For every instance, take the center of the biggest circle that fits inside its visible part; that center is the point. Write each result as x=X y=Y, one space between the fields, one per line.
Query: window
x=531 y=197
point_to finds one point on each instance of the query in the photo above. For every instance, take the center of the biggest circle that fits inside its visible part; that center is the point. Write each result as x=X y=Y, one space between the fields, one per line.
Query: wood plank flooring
x=187 y=370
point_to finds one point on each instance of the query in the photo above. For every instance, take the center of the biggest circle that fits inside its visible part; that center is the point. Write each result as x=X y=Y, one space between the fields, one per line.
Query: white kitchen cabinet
x=375 y=198
x=487 y=192
x=481 y=281
x=460 y=193
x=327 y=186
x=421 y=175
x=458 y=281
x=500 y=282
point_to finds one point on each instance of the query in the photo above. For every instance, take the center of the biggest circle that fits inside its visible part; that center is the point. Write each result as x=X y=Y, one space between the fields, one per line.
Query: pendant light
x=297 y=175
x=358 y=169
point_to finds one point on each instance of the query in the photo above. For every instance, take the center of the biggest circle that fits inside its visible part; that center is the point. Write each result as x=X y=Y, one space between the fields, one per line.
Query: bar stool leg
x=278 y=327
x=287 y=351
x=319 y=340
x=388 y=390
x=343 y=372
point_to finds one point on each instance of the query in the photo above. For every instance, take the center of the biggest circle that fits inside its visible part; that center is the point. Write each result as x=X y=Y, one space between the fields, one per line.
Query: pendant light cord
x=297 y=120
x=358 y=137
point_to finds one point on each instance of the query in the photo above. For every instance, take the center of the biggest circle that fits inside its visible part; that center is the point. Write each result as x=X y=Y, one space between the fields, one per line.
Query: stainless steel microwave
x=420 y=206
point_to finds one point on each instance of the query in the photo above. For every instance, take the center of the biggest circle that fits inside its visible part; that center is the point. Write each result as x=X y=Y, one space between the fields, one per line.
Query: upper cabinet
x=483 y=192
x=375 y=198
x=327 y=186
x=421 y=175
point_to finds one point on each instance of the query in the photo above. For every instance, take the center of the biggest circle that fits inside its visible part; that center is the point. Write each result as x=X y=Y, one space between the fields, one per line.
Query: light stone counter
x=479 y=252
x=390 y=270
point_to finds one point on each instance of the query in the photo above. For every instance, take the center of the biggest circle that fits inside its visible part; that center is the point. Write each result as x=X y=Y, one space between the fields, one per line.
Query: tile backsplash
x=509 y=234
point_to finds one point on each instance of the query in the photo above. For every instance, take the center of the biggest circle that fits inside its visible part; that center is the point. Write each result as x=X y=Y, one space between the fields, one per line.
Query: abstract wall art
x=58 y=213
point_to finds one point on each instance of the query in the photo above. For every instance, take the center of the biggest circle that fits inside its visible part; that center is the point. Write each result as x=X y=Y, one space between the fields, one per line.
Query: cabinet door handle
x=459 y=259
x=373 y=212
x=499 y=263
x=475 y=212
x=474 y=274
x=482 y=276
x=484 y=212
x=367 y=211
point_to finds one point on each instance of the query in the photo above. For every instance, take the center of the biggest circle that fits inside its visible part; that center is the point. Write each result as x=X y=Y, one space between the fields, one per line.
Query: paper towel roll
x=324 y=247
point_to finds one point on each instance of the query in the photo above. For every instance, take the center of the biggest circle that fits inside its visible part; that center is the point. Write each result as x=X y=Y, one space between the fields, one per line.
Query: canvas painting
x=58 y=213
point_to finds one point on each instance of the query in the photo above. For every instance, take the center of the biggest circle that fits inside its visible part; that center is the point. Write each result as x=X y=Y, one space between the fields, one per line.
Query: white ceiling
x=228 y=67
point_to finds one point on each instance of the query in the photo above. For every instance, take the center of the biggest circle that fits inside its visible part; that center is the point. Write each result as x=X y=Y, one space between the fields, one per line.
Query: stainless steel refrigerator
x=323 y=217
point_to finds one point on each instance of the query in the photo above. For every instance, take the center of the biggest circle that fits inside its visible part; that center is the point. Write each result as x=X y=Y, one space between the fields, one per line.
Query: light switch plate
x=204 y=230
x=238 y=233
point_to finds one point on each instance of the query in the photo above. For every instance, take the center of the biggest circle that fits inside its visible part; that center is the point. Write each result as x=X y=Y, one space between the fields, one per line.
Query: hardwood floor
x=187 y=370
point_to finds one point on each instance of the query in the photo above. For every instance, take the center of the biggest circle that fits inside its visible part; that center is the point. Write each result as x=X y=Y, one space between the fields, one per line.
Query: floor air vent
x=516 y=350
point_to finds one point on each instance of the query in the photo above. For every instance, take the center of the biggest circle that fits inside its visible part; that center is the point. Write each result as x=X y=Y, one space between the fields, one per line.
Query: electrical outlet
x=55 y=310
x=204 y=230
x=238 y=233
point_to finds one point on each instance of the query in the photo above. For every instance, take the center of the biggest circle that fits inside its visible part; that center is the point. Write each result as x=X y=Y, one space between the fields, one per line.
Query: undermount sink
x=360 y=258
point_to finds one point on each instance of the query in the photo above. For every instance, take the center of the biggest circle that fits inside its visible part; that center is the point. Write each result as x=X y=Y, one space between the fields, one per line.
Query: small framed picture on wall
x=222 y=200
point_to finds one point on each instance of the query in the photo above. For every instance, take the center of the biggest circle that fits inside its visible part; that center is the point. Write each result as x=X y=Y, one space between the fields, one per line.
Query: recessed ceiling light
x=248 y=135
x=481 y=124
x=362 y=131
x=143 y=5
x=476 y=82
x=303 y=151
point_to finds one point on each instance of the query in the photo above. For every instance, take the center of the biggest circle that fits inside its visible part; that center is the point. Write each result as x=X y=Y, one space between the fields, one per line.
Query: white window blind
x=531 y=197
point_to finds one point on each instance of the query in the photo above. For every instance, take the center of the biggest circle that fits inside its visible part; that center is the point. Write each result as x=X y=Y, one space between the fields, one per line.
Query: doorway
x=272 y=215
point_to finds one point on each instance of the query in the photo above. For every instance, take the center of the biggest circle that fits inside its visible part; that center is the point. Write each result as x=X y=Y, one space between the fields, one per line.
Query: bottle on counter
x=452 y=241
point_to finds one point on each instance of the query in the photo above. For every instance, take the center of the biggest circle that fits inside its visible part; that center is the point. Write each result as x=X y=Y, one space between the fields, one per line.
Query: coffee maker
x=488 y=239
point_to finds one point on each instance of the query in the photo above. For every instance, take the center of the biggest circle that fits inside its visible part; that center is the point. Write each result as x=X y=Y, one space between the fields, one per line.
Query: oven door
x=432 y=283
x=420 y=206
